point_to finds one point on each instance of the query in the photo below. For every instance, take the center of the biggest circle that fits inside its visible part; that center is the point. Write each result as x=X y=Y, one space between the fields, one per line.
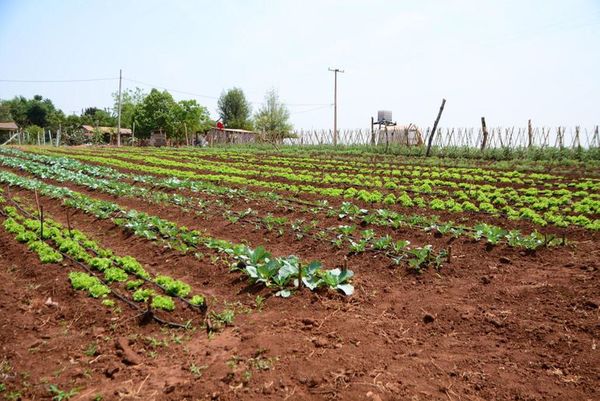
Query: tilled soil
x=491 y=325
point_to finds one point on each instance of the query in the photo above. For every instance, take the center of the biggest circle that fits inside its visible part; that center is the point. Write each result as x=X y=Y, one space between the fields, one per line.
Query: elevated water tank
x=384 y=116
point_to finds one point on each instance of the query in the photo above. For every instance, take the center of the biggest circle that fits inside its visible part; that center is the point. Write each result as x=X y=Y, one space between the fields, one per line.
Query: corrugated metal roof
x=233 y=131
x=9 y=126
x=106 y=130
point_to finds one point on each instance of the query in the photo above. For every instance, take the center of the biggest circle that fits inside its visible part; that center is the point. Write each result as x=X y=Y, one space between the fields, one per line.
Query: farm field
x=296 y=273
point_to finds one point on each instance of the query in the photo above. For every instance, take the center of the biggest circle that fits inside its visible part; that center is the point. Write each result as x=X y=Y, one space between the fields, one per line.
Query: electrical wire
x=58 y=80
x=216 y=97
x=318 y=106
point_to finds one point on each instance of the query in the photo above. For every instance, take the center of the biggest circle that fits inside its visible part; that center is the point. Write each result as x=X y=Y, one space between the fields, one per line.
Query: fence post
x=437 y=120
x=485 y=134
x=559 y=138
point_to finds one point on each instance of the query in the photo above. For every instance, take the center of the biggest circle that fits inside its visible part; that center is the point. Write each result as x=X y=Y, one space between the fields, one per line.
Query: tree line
x=145 y=112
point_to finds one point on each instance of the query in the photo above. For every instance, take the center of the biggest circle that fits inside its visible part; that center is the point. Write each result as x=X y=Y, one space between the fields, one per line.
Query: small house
x=158 y=138
x=407 y=135
x=230 y=136
x=108 y=133
x=7 y=130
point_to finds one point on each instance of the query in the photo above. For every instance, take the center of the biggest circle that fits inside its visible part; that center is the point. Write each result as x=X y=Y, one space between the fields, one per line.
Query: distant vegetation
x=145 y=112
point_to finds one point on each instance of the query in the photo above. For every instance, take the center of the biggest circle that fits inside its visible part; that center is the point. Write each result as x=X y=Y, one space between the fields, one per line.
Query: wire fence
x=498 y=137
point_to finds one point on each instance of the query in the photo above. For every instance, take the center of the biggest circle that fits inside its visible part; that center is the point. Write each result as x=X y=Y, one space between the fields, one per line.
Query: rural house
x=230 y=136
x=109 y=133
x=7 y=130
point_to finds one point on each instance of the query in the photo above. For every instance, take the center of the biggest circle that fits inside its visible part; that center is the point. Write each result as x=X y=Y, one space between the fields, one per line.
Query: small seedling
x=197 y=370
x=259 y=302
x=91 y=350
x=60 y=395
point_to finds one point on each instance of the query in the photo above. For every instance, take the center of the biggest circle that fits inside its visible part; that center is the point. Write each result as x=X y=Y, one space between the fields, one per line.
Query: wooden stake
x=387 y=140
x=437 y=120
x=372 y=132
x=529 y=134
x=69 y=224
x=485 y=133
x=41 y=222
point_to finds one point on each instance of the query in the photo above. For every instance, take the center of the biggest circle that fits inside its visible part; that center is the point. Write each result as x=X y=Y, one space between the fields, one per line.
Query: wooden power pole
x=335 y=131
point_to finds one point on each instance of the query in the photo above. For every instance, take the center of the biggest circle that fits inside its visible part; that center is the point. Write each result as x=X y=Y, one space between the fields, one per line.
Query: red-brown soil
x=491 y=325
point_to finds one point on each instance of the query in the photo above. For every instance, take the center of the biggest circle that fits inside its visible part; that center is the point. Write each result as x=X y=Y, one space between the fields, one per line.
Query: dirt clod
x=128 y=356
x=110 y=371
x=428 y=318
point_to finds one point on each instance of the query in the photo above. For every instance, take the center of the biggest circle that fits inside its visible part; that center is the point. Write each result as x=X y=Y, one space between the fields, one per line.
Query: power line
x=198 y=95
x=57 y=80
x=214 y=97
x=169 y=89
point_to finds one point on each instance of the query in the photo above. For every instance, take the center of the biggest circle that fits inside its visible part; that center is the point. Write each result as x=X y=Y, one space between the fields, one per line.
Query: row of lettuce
x=314 y=172
x=559 y=207
x=103 y=269
x=353 y=167
x=243 y=258
x=68 y=170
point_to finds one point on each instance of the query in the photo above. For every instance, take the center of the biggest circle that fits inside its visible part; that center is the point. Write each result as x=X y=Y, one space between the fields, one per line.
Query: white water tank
x=384 y=116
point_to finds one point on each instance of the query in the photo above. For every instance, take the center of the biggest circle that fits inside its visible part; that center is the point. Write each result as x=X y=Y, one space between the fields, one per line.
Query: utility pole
x=335 y=132
x=119 y=111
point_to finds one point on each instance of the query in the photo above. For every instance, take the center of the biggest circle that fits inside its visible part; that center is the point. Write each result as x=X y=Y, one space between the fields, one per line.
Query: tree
x=273 y=118
x=5 y=114
x=97 y=117
x=18 y=110
x=158 y=110
x=234 y=109
x=35 y=111
x=72 y=134
x=190 y=118
x=55 y=119
x=130 y=99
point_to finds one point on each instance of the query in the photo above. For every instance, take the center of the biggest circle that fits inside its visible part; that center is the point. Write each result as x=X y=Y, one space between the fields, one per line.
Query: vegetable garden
x=228 y=273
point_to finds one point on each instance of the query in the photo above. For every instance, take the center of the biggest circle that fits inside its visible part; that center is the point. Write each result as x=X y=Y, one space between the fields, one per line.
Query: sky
x=507 y=60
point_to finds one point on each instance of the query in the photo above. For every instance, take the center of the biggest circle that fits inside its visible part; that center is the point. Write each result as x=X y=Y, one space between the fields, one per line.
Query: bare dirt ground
x=494 y=324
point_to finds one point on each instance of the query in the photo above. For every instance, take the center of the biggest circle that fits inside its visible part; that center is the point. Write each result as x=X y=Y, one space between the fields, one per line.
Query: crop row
x=244 y=258
x=103 y=269
x=59 y=170
x=542 y=207
x=315 y=172
x=239 y=158
x=121 y=189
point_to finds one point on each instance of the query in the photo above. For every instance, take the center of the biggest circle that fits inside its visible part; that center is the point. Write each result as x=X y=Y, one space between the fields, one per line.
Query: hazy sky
x=506 y=60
